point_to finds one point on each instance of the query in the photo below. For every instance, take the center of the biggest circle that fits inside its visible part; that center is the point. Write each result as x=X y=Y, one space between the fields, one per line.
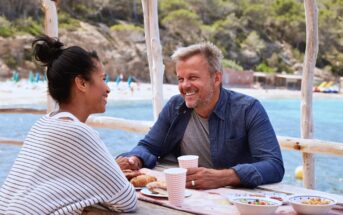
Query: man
x=229 y=131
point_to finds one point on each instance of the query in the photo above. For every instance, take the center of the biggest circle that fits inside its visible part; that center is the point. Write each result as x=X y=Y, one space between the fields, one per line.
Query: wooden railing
x=289 y=143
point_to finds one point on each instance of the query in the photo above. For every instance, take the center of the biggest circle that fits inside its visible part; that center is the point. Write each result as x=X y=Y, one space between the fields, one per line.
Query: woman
x=63 y=165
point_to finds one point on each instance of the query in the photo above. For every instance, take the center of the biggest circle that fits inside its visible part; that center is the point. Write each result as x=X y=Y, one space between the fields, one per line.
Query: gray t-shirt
x=195 y=140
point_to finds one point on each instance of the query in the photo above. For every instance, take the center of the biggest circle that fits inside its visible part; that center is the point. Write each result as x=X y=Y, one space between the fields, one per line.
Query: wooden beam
x=312 y=146
x=154 y=52
x=50 y=29
x=11 y=142
x=287 y=143
x=22 y=110
x=311 y=15
x=120 y=124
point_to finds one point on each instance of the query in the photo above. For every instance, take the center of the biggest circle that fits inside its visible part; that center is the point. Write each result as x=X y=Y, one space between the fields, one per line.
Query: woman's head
x=65 y=66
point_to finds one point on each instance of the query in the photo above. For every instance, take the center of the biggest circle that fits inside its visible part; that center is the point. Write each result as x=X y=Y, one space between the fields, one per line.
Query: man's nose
x=186 y=83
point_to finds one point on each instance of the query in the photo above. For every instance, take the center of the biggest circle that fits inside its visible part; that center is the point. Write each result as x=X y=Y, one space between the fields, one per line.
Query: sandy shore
x=22 y=93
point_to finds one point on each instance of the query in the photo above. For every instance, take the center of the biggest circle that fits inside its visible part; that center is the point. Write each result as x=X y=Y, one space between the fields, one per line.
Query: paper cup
x=188 y=161
x=176 y=185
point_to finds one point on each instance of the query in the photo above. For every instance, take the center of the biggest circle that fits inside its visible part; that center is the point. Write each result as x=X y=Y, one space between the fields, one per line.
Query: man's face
x=199 y=89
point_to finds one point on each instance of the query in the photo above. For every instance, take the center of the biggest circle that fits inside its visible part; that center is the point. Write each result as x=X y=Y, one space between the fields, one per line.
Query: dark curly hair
x=63 y=65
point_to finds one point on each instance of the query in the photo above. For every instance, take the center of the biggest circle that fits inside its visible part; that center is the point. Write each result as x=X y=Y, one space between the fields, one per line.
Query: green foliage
x=288 y=10
x=289 y=20
x=28 y=26
x=5 y=31
x=126 y=27
x=167 y=6
x=263 y=67
x=232 y=65
x=256 y=12
x=187 y=15
x=335 y=58
x=5 y=27
x=9 y=60
x=65 y=21
x=269 y=28
x=19 y=27
x=253 y=42
x=183 y=24
x=210 y=11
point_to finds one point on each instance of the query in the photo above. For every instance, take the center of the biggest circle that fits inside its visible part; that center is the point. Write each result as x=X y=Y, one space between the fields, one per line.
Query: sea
x=283 y=113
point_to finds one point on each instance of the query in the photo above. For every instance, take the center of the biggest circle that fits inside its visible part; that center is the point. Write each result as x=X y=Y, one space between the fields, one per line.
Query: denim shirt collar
x=219 y=109
x=221 y=105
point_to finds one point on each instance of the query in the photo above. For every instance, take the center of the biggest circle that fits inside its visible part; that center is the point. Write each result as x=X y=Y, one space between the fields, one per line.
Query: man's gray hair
x=211 y=52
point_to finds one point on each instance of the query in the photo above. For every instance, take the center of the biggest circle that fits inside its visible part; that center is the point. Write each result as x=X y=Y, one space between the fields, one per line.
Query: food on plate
x=316 y=201
x=142 y=180
x=277 y=198
x=129 y=174
x=256 y=202
x=158 y=187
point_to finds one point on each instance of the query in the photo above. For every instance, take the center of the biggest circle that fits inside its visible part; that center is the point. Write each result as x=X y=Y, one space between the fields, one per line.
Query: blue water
x=284 y=115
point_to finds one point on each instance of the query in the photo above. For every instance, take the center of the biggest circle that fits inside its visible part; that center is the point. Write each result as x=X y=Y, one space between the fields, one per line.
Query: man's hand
x=203 y=178
x=133 y=162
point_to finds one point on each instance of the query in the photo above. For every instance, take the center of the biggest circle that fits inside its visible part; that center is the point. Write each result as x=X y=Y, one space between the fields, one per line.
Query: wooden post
x=311 y=15
x=154 y=52
x=50 y=29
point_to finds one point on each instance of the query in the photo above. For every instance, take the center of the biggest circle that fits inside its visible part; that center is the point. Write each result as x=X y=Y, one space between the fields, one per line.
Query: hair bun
x=47 y=49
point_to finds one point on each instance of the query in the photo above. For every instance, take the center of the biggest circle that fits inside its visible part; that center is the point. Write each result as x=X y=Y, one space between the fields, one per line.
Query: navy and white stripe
x=63 y=167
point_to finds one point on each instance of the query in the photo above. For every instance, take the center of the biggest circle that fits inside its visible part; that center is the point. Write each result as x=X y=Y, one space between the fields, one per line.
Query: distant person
x=31 y=77
x=37 y=79
x=15 y=76
x=108 y=79
x=129 y=80
x=229 y=131
x=63 y=165
x=118 y=80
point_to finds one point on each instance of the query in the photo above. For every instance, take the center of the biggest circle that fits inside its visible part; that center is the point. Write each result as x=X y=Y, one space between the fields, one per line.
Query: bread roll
x=142 y=180
x=158 y=187
x=129 y=174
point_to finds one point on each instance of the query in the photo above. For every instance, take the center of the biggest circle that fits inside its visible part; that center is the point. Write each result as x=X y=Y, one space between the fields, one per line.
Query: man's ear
x=218 y=78
x=80 y=83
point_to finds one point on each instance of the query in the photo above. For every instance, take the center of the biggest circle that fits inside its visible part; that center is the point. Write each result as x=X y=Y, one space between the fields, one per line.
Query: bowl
x=311 y=204
x=255 y=205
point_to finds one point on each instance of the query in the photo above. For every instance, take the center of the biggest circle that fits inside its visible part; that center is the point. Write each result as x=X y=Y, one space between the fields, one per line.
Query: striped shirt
x=62 y=168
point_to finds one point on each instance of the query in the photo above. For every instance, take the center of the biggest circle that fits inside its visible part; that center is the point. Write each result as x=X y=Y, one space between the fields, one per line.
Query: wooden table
x=162 y=207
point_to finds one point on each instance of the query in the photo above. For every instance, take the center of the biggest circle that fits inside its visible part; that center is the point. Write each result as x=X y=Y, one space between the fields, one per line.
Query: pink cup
x=188 y=161
x=176 y=185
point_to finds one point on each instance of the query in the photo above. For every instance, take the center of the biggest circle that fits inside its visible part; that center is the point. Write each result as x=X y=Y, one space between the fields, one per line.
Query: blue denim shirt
x=240 y=133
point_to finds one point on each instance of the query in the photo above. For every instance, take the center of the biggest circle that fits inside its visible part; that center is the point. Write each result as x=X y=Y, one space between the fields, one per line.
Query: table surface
x=148 y=205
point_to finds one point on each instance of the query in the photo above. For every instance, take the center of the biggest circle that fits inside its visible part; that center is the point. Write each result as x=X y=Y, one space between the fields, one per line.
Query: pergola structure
x=305 y=144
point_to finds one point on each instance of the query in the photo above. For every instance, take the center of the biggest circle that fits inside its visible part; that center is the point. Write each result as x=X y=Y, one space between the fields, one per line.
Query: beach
x=25 y=93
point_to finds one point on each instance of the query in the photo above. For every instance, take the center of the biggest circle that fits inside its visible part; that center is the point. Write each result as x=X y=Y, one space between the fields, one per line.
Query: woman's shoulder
x=67 y=128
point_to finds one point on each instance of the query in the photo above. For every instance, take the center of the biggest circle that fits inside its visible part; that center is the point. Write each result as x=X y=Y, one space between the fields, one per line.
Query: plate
x=256 y=205
x=138 y=188
x=311 y=204
x=271 y=195
x=147 y=192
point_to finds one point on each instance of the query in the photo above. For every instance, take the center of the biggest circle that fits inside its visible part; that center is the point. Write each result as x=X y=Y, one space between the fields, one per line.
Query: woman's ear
x=80 y=83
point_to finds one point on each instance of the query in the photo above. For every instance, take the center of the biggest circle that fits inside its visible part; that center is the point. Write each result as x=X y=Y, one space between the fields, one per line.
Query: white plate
x=138 y=188
x=147 y=192
x=271 y=195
